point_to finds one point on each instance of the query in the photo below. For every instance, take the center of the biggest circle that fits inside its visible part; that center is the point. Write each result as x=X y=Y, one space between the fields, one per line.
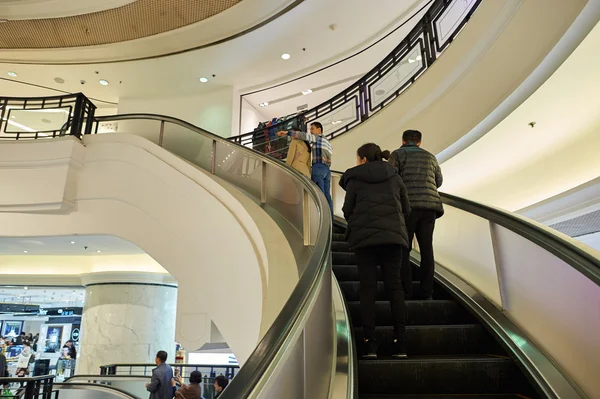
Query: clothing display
x=265 y=140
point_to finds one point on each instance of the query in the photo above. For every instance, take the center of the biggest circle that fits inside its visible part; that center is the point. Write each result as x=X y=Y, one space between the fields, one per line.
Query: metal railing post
x=213 y=157
x=161 y=133
x=263 y=183
x=306 y=217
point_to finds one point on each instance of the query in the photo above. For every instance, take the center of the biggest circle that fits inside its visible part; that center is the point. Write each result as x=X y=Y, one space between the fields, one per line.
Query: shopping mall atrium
x=188 y=208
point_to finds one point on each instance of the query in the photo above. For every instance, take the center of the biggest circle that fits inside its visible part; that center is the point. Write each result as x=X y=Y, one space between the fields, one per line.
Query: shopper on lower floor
x=375 y=207
x=23 y=361
x=321 y=157
x=422 y=176
x=3 y=369
x=160 y=386
x=220 y=384
x=191 y=391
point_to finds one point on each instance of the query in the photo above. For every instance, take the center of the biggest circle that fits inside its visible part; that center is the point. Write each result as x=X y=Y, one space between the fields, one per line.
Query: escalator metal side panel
x=545 y=375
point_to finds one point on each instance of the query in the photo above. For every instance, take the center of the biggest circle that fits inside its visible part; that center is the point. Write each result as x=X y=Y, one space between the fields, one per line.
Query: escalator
x=449 y=351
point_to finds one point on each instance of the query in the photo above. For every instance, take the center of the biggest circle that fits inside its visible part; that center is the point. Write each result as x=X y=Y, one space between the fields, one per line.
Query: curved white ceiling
x=41 y=9
x=235 y=21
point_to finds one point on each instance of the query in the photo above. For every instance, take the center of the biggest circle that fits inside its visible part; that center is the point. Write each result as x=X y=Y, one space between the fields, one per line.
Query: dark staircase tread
x=473 y=374
x=432 y=312
x=450 y=354
x=459 y=339
x=351 y=291
x=444 y=396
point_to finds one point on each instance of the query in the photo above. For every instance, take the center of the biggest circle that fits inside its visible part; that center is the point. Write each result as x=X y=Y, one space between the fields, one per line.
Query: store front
x=42 y=338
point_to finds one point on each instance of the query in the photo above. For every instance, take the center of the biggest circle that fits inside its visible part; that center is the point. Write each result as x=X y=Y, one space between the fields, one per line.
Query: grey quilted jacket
x=422 y=177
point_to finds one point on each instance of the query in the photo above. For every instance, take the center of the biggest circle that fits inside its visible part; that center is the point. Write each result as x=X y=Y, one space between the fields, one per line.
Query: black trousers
x=420 y=223
x=389 y=257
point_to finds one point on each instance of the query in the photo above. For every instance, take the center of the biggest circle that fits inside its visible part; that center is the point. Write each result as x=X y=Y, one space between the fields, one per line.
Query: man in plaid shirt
x=321 y=157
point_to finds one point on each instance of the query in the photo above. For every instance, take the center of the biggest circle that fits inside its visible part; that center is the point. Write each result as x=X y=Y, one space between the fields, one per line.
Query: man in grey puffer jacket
x=422 y=177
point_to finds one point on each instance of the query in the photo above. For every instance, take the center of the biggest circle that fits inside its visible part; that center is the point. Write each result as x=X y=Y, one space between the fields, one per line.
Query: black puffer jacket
x=422 y=176
x=376 y=205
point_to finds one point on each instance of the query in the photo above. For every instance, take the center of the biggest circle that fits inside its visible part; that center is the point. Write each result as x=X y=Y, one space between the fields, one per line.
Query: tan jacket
x=299 y=158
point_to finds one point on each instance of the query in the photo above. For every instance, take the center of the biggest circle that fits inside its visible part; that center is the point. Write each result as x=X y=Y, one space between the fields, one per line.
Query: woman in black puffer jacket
x=376 y=207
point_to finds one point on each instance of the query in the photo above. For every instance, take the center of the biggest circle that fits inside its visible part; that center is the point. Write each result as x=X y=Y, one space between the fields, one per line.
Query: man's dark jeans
x=420 y=223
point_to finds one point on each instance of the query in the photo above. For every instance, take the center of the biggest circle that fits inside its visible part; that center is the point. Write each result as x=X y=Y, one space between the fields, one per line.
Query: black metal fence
x=145 y=369
x=45 y=117
x=27 y=388
x=438 y=27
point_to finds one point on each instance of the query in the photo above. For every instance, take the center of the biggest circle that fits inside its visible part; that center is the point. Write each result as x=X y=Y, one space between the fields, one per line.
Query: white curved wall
x=514 y=165
x=125 y=186
x=497 y=50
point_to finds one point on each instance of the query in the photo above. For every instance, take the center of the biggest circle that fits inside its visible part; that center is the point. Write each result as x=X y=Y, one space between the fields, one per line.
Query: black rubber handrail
x=582 y=261
x=100 y=387
x=101 y=377
x=266 y=350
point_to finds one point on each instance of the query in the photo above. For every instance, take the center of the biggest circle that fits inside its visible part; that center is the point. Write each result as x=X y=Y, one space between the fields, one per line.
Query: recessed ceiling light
x=419 y=58
x=103 y=82
x=12 y=74
x=203 y=80
x=286 y=56
x=264 y=104
x=26 y=288
x=336 y=122
x=307 y=92
x=72 y=242
x=59 y=80
x=98 y=251
x=25 y=251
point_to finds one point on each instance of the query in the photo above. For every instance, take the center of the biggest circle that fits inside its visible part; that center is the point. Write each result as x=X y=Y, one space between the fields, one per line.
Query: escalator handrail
x=582 y=261
x=99 y=387
x=304 y=292
x=100 y=377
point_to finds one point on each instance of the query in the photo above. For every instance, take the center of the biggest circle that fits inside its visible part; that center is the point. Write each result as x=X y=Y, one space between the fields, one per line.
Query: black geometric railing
x=438 y=27
x=42 y=117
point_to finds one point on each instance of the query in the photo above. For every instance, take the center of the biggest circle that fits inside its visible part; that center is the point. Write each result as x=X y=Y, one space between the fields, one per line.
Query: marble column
x=126 y=323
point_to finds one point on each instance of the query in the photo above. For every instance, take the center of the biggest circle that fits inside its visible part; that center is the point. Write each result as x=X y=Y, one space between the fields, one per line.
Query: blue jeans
x=321 y=175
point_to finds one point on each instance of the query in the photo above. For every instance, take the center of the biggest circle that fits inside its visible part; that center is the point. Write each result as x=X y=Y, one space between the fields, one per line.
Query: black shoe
x=399 y=348
x=370 y=349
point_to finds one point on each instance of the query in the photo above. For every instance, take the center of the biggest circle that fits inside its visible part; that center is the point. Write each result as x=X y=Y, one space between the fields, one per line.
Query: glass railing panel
x=133 y=385
x=148 y=129
x=553 y=302
x=392 y=82
x=285 y=195
x=450 y=21
x=189 y=145
x=463 y=244
x=241 y=168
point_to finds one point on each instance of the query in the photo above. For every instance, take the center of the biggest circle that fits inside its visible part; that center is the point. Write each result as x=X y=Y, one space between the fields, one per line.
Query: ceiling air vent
x=302 y=107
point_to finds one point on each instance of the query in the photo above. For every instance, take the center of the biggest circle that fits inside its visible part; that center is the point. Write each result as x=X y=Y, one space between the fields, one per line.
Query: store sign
x=75 y=333
x=61 y=312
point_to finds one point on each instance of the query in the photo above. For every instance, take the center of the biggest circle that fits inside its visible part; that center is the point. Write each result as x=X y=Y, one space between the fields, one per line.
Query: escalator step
x=434 y=312
x=340 y=246
x=338 y=230
x=339 y=237
x=343 y=258
x=437 y=340
x=454 y=396
x=351 y=291
x=440 y=375
x=349 y=272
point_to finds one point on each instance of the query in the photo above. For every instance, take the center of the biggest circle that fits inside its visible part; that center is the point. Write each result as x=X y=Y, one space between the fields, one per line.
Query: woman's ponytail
x=372 y=152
